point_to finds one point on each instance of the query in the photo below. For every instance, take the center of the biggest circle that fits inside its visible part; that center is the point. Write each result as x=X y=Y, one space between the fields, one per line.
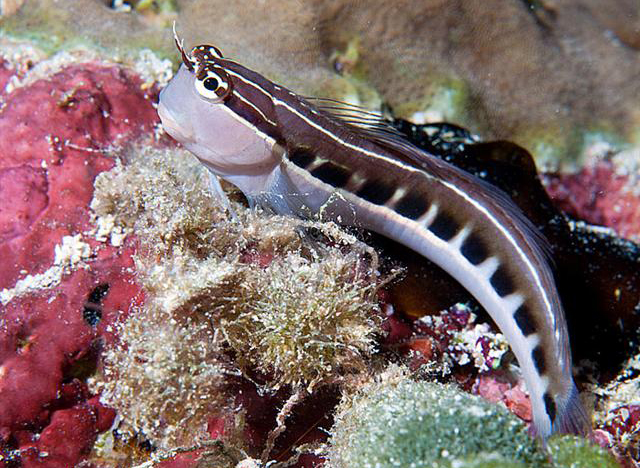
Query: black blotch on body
x=474 y=249
x=411 y=206
x=444 y=226
x=501 y=282
x=92 y=309
x=302 y=157
x=538 y=359
x=524 y=320
x=332 y=174
x=550 y=406
x=376 y=192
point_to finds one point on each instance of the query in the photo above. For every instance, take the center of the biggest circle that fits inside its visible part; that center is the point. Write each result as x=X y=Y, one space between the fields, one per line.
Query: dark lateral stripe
x=411 y=206
x=524 y=320
x=249 y=114
x=302 y=157
x=332 y=174
x=444 y=226
x=502 y=282
x=550 y=406
x=474 y=249
x=376 y=192
x=538 y=359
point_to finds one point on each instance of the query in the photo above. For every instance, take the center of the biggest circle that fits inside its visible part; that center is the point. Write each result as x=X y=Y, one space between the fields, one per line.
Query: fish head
x=209 y=109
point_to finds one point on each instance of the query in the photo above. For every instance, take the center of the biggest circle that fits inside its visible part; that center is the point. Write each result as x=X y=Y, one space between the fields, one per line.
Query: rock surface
x=549 y=75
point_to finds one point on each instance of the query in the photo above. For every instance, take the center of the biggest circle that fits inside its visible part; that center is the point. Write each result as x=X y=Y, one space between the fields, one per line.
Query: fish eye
x=211 y=83
x=214 y=85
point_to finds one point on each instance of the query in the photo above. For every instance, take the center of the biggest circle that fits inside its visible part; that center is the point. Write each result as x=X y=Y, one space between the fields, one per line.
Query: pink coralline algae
x=453 y=335
x=24 y=189
x=496 y=387
x=604 y=193
x=56 y=136
x=619 y=433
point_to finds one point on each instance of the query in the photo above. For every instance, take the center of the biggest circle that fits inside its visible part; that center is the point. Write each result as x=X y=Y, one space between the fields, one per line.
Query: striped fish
x=308 y=158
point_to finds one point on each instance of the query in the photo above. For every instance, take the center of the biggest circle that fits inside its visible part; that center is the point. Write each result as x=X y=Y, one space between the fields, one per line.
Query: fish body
x=307 y=158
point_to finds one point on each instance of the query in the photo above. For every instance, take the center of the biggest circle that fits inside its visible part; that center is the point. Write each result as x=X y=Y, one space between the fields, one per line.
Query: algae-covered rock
x=55 y=25
x=575 y=452
x=294 y=301
x=395 y=421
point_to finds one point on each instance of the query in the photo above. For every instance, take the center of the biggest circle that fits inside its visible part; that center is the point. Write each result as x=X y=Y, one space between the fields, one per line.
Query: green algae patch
x=395 y=421
x=442 y=98
x=560 y=146
x=575 y=452
x=485 y=460
x=54 y=26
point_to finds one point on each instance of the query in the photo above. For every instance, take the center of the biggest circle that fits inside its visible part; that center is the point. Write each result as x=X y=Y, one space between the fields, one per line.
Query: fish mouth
x=179 y=132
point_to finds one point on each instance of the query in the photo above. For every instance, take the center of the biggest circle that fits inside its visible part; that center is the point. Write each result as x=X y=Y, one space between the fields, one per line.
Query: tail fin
x=572 y=417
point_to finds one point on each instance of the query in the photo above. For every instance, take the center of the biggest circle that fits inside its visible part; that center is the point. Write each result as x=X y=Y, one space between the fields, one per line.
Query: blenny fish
x=317 y=157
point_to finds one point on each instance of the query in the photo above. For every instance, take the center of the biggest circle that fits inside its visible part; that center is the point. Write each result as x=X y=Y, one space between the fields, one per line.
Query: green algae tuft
x=394 y=421
x=575 y=452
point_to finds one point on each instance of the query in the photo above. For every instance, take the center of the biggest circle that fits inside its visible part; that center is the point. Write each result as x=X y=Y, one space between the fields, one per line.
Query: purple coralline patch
x=497 y=387
x=619 y=434
x=23 y=191
x=474 y=365
x=56 y=136
x=67 y=438
x=63 y=124
x=44 y=334
x=600 y=194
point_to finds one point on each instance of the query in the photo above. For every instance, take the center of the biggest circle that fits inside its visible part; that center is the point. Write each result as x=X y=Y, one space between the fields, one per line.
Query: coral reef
x=228 y=341
x=617 y=412
x=462 y=340
x=57 y=131
x=55 y=26
x=604 y=192
x=503 y=70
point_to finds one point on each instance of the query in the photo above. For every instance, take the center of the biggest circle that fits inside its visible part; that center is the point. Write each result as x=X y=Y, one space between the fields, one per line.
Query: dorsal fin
x=363 y=121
